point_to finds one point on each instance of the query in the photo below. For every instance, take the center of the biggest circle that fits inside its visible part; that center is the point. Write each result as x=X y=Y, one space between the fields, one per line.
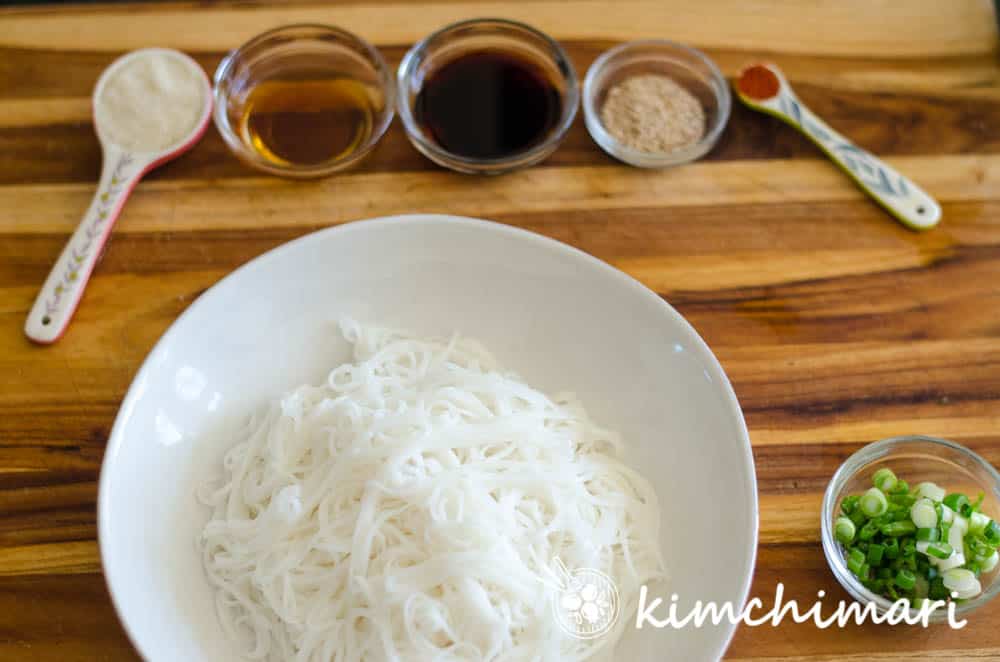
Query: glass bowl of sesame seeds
x=655 y=103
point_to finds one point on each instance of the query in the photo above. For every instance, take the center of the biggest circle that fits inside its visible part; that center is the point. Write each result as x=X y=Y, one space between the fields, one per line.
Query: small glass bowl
x=915 y=459
x=304 y=51
x=687 y=66
x=481 y=34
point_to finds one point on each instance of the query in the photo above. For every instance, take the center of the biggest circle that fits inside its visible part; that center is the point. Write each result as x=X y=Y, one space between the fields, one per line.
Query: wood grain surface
x=837 y=325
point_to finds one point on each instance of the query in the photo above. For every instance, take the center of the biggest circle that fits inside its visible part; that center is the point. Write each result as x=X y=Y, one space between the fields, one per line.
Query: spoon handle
x=59 y=296
x=898 y=194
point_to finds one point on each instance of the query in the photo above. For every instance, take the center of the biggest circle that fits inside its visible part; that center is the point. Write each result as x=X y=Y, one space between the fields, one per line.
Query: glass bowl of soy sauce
x=487 y=96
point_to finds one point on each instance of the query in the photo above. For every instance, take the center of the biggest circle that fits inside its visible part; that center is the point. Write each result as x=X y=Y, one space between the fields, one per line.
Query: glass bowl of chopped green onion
x=914 y=517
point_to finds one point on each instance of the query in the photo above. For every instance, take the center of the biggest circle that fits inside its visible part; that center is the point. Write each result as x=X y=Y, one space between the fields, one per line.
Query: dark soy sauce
x=488 y=105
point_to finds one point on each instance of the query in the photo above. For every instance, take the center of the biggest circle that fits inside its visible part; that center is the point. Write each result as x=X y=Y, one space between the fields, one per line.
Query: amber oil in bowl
x=303 y=100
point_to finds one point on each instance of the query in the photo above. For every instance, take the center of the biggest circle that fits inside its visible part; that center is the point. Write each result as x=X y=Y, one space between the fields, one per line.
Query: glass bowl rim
x=850 y=467
x=372 y=56
x=607 y=142
x=571 y=97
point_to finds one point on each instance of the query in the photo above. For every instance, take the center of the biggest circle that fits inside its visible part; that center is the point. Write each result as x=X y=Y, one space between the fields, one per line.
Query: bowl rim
x=408 y=66
x=113 y=574
x=251 y=158
x=607 y=142
x=850 y=467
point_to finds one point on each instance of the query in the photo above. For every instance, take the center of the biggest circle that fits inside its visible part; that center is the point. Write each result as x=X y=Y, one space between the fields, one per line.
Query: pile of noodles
x=412 y=507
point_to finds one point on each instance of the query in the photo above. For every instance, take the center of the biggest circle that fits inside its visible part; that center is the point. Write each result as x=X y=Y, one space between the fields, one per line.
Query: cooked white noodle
x=411 y=508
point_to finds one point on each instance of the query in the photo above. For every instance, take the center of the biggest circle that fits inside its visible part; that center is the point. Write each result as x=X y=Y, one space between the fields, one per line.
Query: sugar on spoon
x=150 y=106
x=763 y=87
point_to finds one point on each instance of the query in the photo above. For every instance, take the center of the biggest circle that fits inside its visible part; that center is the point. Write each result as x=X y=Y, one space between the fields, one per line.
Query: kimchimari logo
x=588 y=606
x=898 y=612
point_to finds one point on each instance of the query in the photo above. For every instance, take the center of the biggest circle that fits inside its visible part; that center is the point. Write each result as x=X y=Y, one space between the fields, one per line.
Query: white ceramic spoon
x=899 y=195
x=121 y=170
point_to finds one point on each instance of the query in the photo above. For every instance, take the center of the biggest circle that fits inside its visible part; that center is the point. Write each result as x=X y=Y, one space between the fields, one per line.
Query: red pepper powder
x=758 y=82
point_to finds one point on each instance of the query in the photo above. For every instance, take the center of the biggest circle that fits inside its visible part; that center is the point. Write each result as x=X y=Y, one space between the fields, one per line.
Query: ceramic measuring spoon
x=763 y=87
x=122 y=168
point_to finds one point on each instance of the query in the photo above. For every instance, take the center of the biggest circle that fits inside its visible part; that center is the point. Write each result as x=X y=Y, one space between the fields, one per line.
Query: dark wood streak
x=902 y=122
x=806 y=468
x=55 y=612
x=678 y=232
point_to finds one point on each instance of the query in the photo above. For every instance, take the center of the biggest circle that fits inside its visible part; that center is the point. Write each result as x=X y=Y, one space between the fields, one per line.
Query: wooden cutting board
x=837 y=325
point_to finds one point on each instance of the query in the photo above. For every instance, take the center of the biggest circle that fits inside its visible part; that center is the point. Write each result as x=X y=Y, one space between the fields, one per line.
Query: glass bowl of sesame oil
x=655 y=103
x=303 y=100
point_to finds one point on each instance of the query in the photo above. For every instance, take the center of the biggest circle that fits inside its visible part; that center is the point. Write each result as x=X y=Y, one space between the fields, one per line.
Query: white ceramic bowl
x=562 y=319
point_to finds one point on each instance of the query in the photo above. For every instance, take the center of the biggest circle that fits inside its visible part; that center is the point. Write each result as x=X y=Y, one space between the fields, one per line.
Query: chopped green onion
x=873 y=503
x=930 y=491
x=923 y=514
x=844 y=530
x=884 y=519
x=902 y=500
x=958 y=579
x=956 y=501
x=858 y=517
x=956 y=560
x=963 y=582
x=978 y=523
x=883 y=529
x=937 y=590
x=956 y=534
x=896 y=529
x=884 y=479
x=905 y=580
x=855 y=560
x=947 y=514
x=957 y=542
x=932 y=534
x=868 y=531
x=939 y=550
x=977 y=548
x=969 y=593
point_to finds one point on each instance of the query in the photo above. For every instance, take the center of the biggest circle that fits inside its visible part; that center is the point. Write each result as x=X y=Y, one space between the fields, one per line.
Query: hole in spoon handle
x=899 y=195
